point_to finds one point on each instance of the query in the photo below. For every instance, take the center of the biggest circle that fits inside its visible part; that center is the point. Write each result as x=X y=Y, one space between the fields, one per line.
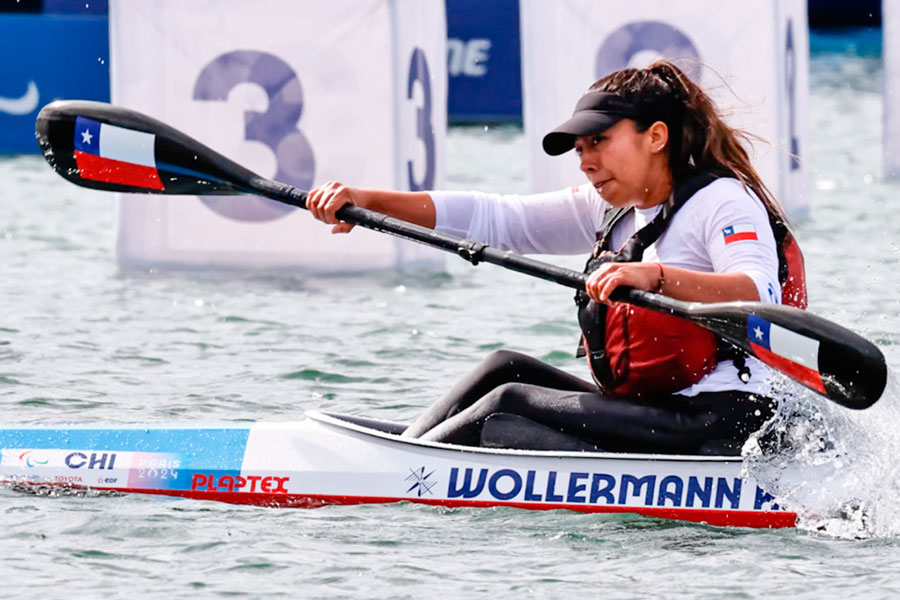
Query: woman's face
x=627 y=167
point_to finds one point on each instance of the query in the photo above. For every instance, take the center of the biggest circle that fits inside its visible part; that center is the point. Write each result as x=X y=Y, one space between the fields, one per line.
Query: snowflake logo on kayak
x=420 y=485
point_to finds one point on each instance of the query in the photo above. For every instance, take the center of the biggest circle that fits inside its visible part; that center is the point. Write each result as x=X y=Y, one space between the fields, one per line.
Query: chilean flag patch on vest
x=111 y=154
x=786 y=350
x=739 y=233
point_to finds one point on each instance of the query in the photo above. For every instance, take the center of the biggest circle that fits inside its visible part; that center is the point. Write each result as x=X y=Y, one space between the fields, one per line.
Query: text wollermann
x=602 y=488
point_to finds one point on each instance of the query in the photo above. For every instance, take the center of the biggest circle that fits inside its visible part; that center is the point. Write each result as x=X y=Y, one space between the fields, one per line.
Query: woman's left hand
x=641 y=276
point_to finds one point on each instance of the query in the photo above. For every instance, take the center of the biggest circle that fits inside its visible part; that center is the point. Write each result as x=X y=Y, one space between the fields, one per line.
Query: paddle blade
x=815 y=352
x=821 y=355
x=105 y=147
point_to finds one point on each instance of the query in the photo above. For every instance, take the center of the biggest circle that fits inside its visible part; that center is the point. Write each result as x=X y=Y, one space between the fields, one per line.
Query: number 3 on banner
x=790 y=75
x=276 y=128
x=418 y=72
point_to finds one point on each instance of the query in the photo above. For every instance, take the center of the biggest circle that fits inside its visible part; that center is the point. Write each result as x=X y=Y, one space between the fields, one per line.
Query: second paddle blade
x=101 y=146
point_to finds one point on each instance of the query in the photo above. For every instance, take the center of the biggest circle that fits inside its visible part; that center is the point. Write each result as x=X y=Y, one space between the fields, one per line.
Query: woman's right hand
x=324 y=201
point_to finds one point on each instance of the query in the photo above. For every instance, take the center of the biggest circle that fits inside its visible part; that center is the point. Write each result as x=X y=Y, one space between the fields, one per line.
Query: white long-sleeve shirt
x=723 y=228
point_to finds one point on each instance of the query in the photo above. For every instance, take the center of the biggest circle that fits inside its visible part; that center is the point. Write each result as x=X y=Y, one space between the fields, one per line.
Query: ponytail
x=699 y=139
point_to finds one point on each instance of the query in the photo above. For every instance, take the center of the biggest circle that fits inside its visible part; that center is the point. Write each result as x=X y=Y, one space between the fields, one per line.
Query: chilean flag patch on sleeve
x=739 y=233
x=786 y=350
x=111 y=154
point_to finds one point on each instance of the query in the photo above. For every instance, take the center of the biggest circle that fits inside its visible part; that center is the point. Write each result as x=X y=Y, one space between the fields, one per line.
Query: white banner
x=752 y=58
x=890 y=25
x=301 y=91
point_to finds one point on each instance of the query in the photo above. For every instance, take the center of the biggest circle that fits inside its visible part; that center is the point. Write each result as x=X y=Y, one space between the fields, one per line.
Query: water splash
x=838 y=469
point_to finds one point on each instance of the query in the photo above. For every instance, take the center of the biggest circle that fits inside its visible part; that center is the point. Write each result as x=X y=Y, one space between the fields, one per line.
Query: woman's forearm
x=414 y=207
x=695 y=286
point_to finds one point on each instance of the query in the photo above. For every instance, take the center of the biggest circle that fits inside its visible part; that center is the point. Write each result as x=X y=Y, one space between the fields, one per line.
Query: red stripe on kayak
x=802 y=373
x=731 y=518
x=719 y=518
x=97 y=168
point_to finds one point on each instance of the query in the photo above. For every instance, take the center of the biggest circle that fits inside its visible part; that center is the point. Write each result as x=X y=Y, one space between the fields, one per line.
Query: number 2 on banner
x=276 y=127
x=418 y=72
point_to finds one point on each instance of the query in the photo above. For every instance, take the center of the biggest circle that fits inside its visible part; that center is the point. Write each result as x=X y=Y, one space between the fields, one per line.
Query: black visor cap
x=594 y=113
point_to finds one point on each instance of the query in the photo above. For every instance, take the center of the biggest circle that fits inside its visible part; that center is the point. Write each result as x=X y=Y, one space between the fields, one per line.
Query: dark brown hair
x=699 y=139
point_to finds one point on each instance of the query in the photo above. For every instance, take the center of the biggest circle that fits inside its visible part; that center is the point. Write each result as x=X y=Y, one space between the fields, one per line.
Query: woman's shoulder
x=725 y=186
x=725 y=192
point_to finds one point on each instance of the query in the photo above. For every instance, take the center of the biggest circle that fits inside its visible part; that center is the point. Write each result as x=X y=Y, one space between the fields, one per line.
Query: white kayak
x=329 y=459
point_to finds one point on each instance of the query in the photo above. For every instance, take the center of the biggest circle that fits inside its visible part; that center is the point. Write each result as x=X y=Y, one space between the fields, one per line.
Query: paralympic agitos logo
x=32 y=460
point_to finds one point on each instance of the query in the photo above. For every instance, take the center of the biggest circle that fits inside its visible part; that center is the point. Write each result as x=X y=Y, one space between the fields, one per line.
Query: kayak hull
x=340 y=460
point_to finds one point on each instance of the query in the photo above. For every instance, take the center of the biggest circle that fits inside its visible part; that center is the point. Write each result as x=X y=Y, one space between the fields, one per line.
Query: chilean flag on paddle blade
x=788 y=351
x=113 y=154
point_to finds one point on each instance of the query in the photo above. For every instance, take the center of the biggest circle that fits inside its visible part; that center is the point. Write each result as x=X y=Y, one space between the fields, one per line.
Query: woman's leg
x=713 y=423
x=498 y=368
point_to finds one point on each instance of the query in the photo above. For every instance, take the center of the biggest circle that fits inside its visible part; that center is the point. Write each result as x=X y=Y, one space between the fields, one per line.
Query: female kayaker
x=673 y=206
